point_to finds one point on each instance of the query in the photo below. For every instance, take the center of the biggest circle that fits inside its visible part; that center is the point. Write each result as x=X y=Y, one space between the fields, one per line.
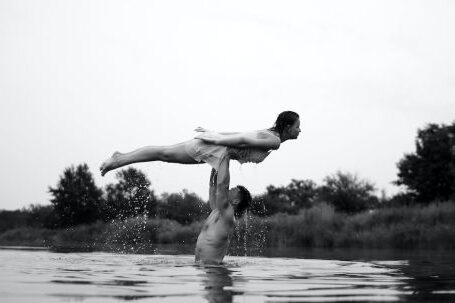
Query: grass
x=431 y=226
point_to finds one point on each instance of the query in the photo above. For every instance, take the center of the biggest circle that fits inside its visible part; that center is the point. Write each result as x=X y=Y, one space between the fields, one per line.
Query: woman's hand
x=201 y=130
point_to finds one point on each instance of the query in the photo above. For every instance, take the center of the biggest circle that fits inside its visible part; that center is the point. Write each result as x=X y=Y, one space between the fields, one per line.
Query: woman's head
x=242 y=198
x=287 y=125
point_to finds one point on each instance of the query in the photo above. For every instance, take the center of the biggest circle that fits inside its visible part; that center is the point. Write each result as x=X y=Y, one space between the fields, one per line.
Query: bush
x=347 y=193
x=82 y=237
x=26 y=236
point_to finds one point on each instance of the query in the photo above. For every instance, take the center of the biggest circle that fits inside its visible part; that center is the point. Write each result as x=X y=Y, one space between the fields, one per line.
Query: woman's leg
x=171 y=154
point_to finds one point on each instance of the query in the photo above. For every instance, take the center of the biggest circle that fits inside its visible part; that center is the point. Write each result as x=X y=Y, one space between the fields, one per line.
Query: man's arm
x=222 y=186
x=212 y=189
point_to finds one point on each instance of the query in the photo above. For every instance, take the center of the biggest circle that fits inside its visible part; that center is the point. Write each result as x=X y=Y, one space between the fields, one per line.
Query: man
x=213 y=241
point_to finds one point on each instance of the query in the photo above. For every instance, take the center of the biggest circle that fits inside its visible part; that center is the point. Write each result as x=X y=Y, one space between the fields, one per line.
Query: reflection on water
x=366 y=276
x=217 y=283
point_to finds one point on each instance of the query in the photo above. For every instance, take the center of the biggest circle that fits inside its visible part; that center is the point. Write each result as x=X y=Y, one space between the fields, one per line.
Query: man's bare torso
x=213 y=241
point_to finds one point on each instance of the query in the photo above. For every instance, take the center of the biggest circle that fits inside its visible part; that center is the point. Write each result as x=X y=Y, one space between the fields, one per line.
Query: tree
x=300 y=193
x=10 y=219
x=41 y=216
x=130 y=196
x=347 y=193
x=429 y=173
x=76 y=198
x=289 y=199
x=34 y=215
x=184 y=207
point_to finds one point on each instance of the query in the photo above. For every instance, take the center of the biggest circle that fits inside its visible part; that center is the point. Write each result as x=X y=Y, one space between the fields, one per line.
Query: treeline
x=77 y=200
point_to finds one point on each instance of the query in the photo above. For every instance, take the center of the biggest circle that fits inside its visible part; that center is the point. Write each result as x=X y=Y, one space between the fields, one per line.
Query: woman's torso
x=213 y=154
x=251 y=154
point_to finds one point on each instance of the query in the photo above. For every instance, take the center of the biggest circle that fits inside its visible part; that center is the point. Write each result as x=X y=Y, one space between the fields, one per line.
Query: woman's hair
x=245 y=201
x=284 y=119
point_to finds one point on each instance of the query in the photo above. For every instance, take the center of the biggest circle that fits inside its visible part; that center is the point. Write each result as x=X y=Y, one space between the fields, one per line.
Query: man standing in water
x=213 y=241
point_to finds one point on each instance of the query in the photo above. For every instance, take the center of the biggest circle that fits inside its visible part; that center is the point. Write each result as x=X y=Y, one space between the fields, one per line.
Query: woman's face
x=294 y=129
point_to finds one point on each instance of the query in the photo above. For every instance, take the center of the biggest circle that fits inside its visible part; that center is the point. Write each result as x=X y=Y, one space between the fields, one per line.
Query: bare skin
x=213 y=241
x=171 y=154
x=263 y=139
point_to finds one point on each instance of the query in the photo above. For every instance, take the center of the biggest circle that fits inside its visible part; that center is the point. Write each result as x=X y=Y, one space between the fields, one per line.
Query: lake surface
x=309 y=276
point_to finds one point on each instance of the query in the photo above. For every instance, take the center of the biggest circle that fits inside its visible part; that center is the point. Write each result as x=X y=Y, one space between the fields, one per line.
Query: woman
x=211 y=147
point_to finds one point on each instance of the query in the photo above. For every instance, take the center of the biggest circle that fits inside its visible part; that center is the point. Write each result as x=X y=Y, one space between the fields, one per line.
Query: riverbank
x=406 y=227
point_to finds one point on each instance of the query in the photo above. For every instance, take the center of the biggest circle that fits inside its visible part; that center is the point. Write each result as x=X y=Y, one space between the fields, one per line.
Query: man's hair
x=245 y=201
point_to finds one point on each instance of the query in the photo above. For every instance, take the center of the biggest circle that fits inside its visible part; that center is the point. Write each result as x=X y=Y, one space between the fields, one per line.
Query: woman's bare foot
x=110 y=164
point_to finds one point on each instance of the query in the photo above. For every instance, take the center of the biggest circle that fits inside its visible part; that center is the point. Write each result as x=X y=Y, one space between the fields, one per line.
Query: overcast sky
x=81 y=79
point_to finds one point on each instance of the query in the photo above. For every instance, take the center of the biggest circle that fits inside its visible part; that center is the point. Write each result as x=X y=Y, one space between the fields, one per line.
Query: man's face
x=234 y=196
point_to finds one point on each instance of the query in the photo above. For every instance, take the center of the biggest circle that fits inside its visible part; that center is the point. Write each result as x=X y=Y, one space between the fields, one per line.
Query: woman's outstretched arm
x=261 y=140
x=204 y=130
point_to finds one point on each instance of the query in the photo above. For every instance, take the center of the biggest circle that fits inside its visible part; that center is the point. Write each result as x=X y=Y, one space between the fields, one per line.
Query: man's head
x=240 y=199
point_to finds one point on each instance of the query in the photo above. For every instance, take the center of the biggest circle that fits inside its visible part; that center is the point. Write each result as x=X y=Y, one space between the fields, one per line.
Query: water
x=310 y=276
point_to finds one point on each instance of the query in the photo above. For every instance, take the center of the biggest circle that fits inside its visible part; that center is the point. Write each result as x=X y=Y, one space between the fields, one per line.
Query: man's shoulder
x=216 y=214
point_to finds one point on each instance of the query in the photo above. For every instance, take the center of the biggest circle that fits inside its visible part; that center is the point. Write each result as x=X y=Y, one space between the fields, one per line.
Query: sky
x=82 y=79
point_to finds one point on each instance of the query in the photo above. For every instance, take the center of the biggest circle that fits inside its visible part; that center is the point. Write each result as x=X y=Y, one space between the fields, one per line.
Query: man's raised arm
x=222 y=185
